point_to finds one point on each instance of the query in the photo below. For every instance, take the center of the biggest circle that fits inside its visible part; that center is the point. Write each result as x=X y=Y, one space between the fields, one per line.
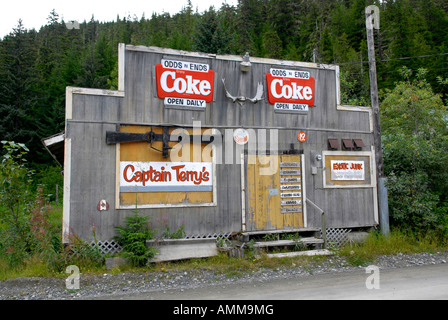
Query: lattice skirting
x=112 y=247
x=337 y=237
x=107 y=247
x=223 y=237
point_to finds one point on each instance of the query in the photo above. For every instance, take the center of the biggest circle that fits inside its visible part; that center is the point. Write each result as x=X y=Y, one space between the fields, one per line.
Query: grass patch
x=363 y=254
x=395 y=242
x=33 y=267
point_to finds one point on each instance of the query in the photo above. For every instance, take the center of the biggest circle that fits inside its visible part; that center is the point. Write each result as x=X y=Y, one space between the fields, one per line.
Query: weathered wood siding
x=91 y=174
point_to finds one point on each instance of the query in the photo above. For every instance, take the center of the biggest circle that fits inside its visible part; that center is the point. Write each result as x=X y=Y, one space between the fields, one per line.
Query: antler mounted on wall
x=241 y=99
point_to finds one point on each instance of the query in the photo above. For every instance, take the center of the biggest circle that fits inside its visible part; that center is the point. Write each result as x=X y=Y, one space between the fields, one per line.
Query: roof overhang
x=55 y=146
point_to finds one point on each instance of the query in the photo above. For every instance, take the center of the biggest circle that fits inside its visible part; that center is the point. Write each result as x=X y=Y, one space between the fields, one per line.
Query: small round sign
x=241 y=136
x=301 y=136
x=103 y=205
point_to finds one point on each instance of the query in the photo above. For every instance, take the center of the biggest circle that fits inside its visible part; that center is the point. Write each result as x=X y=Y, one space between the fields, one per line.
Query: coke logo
x=290 y=90
x=181 y=83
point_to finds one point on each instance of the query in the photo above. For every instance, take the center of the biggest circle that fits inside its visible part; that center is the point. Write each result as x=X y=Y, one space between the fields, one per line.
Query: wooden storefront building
x=221 y=144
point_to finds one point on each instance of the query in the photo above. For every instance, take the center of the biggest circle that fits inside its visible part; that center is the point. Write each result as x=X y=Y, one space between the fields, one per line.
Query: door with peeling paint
x=274 y=192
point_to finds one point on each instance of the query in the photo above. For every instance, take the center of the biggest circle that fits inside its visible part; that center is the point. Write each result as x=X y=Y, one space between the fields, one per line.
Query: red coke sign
x=290 y=86
x=181 y=79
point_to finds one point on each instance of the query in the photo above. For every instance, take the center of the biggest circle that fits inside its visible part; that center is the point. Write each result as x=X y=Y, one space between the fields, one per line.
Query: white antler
x=258 y=95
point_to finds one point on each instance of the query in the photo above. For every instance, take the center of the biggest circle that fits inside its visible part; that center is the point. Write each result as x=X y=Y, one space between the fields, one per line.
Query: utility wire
x=396 y=59
x=393 y=71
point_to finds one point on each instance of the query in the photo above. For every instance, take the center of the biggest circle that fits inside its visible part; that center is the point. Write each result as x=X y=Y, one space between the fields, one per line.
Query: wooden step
x=284 y=243
x=317 y=252
x=252 y=233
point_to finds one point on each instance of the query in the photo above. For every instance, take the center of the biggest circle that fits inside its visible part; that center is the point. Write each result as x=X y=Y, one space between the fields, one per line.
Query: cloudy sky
x=34 y=13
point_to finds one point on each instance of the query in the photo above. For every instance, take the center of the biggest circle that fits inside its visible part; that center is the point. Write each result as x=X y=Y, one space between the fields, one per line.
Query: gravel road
x=109 y=285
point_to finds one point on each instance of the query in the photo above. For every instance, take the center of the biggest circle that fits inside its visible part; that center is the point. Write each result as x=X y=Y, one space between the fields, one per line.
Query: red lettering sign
x=177 y=175
x=153 y=175
x=290 y=90
x=340 y=166
x=180 y=83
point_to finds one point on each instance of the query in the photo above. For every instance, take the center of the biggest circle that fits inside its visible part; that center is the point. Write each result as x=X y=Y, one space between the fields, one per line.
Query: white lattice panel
x=337 y=237
x=107 y=246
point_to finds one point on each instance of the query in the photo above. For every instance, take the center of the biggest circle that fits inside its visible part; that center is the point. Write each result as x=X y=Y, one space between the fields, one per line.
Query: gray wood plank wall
x=93 y=162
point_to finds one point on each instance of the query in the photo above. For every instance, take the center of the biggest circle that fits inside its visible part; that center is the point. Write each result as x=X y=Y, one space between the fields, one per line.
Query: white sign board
x=183 y=102
x=183 y=65
x=290 y=187
x=290 y=73
x=347 y=170
x=290 y=107
x=291 y=202
x=291 y=195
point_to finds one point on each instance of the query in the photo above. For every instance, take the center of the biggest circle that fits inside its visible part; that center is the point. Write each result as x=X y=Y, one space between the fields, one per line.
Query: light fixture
x=245 y=64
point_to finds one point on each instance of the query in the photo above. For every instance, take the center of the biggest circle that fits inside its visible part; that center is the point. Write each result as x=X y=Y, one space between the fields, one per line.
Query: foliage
x=398 y=241
x=15 y=243
x=80 y=253
x=132 y=237
x=36 y=66
x=412 y=108
x=179 y=233
x=14 y=180
x=47 y=177
x=45 y=244
x=415 y=139
x=28 y=230
x=209 y=33
x=16 y=240
x=18 y=96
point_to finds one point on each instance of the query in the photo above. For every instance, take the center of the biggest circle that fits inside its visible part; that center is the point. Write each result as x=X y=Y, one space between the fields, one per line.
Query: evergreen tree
x=209 y=35
x=272 y=44
x=249 y=26
x=17 y=87
x=36 y=67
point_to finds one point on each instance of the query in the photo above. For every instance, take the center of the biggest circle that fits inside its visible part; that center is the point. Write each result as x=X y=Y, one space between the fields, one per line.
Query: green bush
x=15 y=178
x=80 y=253
x=179 y=233
x=30 y=231
x=415 y=139
x=132 y=237
x=15 y=203
x=47 y=177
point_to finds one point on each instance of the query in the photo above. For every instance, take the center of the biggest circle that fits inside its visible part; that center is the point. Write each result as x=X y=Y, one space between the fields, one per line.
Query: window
x=347 y=144
x=333 y=144
x=359 y=144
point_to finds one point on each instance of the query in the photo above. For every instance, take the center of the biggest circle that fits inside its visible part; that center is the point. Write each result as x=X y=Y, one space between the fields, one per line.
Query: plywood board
x=142 y=151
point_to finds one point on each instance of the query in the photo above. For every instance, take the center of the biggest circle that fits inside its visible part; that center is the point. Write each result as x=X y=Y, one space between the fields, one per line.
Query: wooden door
x=274 y=192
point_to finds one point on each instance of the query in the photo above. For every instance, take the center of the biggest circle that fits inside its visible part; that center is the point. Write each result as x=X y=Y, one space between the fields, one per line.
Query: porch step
x=260 y=232
x=284 y=243
x=179 y=249
x=317 y=252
